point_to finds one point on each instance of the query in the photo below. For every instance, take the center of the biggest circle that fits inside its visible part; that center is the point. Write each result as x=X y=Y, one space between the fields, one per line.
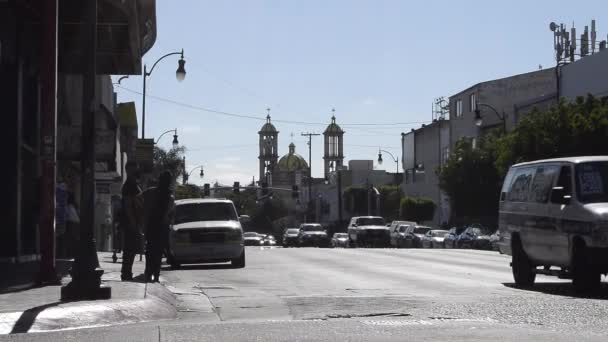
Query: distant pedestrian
x=72 y=229
x=130 y=222
x=158 y=214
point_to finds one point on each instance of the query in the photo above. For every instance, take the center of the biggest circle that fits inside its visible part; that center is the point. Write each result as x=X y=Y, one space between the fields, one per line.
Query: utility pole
x=310 y=135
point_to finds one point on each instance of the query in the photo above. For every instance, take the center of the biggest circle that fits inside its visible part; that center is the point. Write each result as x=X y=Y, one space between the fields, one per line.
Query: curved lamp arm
x=175 y=142
x=148 y=73
x=202 y=172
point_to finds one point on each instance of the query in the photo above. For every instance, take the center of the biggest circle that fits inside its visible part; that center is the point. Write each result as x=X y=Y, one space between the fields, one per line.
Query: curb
x=159 y=304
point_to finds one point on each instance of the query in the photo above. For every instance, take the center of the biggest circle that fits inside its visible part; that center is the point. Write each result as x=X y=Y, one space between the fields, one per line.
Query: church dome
x=268 y=127
x=333 y=128
x=292 y=161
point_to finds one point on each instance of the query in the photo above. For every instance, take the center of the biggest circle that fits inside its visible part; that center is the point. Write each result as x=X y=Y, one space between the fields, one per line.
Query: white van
x=553 y=220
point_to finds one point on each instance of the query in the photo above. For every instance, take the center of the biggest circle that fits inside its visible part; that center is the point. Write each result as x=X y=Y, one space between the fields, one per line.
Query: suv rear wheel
x=240 y=261
x=523 y=270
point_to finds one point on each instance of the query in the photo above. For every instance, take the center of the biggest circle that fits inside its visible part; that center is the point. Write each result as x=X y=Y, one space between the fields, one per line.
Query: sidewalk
x=40 y=309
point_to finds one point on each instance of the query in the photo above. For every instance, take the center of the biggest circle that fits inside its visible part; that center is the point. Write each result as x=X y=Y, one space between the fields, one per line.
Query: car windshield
x=370 y=221
x=250 y=234
x=340 y=235
x=312 y=228
x=194 y=212
x=421 y=230
x=402 y=229
x=439 y=233
x=592 y=182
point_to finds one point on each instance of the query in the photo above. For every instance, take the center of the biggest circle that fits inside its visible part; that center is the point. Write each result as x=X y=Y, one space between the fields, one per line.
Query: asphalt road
x=362 y=295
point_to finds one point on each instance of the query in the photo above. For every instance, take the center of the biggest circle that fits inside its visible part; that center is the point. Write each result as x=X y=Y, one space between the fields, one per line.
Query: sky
x=375 y=62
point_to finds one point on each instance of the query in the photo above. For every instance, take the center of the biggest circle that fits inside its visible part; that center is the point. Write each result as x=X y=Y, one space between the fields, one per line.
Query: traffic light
x=236 y=188
x=206 y=190
x=264 y=188
x=295 y=193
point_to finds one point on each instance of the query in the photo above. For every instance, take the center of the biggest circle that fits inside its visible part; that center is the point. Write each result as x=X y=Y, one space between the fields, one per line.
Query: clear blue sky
x=374 y=61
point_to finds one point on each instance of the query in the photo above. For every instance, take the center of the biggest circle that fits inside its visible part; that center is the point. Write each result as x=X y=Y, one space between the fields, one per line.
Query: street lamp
x=201 y=174
x=479 y=119
x=180 y=74
x=175 y=141
x=396 y=160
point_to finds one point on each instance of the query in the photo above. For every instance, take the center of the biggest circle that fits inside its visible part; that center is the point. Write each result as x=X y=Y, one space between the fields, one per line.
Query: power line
x=258 y=118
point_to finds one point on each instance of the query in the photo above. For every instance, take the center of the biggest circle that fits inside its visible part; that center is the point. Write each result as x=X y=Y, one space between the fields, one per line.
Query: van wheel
x=239 y=262
x=584 y=279
x=523 y=271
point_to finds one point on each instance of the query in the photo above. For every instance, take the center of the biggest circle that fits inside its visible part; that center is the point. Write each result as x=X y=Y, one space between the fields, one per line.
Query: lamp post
x=180 y=74
x=479 y=119
x=187 y=175
x=175 y=141
x=396 y=160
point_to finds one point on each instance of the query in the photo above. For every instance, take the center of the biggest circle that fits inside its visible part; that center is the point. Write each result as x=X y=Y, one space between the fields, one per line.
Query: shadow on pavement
x=28 y=317
x=564 y=289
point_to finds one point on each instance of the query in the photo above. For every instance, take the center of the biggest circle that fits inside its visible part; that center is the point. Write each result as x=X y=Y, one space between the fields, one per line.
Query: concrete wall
x=588 y=75
x=502 y=94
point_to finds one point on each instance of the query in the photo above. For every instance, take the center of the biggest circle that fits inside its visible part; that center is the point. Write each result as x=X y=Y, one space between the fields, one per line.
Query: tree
x=171 y=160
x=570 y=129
x=471 y=181
x=417 y=209
x=390 y=199
x=187 y=191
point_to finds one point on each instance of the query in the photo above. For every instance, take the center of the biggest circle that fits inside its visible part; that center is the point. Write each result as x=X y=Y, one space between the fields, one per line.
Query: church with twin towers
x=293 y=169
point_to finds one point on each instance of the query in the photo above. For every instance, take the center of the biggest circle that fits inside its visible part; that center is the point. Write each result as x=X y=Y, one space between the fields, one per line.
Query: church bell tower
x=334 y=146
x=269 y=137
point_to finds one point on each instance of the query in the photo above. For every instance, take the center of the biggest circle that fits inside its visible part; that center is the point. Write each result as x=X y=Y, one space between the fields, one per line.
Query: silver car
x=434 y=238
x=206 y=230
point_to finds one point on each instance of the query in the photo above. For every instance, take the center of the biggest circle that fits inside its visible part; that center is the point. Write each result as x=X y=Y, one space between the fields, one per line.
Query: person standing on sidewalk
x=159 y=208
x=130 y=222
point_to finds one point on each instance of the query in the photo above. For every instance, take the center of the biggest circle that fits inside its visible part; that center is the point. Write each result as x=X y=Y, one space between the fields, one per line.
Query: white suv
x=206 y=230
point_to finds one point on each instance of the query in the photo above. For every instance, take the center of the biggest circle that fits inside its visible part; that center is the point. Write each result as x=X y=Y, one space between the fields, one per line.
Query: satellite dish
x=553 y=26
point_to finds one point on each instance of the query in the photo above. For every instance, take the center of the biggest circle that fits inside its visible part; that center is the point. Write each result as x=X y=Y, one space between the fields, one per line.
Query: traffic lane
x=311 y=283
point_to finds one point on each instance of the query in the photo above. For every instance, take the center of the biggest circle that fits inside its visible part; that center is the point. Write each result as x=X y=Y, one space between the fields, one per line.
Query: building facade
x=510 y=95
x=425 y=151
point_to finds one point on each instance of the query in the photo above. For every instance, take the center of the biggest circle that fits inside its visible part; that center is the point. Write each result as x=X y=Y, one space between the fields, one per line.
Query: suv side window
x=519 y=190
x=542 y=183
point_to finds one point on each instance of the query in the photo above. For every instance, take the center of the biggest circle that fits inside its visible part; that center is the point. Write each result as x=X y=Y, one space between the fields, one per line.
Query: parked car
x=269 y=240
x=494 y=239
x=290 y=237
x=313 y=234
x=253 y=239
x=554 y=213
x=396 y=231
x=412 y=238
x=434 y=238
x=473 y=237
x=449 y=241
x=339 y=240
x=369 y=231
x=205 y=230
